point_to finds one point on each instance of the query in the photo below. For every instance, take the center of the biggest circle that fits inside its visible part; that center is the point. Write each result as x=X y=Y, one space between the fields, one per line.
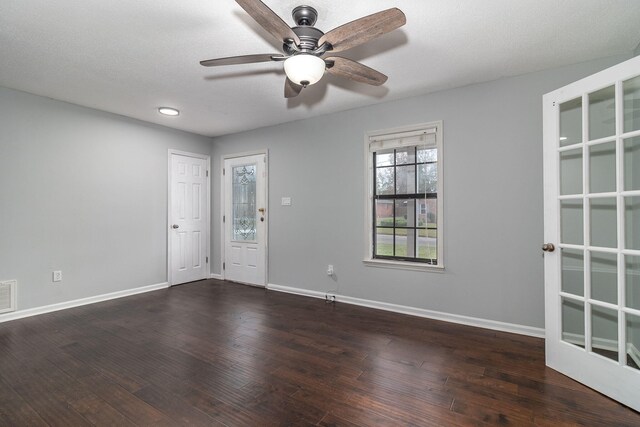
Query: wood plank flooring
x=215 y=353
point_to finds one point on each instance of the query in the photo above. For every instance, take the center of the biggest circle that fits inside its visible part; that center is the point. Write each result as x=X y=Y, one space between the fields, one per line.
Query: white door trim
x=264 y=152
x=207 y=193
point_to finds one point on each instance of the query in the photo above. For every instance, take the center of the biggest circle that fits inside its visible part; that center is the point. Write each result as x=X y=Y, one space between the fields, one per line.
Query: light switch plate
x=286 y=201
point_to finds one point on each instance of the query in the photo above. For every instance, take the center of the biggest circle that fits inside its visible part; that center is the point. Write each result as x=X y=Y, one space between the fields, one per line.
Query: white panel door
x=592 y=230
x=245 y=221
x=188 y=222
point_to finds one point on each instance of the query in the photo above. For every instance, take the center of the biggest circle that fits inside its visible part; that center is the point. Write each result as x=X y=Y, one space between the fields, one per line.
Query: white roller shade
x=425 y=137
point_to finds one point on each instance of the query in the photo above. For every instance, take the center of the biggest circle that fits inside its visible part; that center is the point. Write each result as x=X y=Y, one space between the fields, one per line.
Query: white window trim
x=369 y=260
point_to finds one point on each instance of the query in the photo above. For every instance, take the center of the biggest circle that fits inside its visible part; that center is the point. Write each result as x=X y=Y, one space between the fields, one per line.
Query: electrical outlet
x=57 y=276
x=329 y=298
x=330 y=270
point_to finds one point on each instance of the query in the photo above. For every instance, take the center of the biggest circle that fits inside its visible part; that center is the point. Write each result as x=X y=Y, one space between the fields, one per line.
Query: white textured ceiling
x=129 y=57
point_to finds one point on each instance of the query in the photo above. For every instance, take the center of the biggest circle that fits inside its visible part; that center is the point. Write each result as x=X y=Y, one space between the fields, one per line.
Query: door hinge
x=207 y=173
x=207 y=260
x=224 y=264
x=223 y=218
x=223 y=171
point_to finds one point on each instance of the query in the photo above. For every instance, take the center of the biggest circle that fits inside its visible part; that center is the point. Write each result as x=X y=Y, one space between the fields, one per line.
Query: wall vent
x=8 y=296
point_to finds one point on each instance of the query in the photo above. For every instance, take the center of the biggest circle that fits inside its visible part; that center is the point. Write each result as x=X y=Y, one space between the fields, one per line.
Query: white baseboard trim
x=419 y=312
x=21 y=314
x=216 y=276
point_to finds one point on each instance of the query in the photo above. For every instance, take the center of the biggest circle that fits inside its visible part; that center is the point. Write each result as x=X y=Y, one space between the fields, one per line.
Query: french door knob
x=175 y=226
x=548 y=247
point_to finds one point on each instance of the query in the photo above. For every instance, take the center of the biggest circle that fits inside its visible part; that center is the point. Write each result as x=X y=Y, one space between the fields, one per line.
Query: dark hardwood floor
x=215 y=353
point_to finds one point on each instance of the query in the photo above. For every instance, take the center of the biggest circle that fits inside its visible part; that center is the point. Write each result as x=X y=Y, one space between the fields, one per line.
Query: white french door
x=592 y=230
x=188 y=217
x=245 y=219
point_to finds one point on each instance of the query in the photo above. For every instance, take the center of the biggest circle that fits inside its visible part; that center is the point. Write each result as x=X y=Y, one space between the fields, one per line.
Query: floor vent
x=8 y=296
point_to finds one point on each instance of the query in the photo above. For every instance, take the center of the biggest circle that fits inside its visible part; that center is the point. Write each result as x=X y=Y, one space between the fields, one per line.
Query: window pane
x=633 y=339
x=604 y=332
x=384 y=157
x=384 y=241
x=571 y=222
x=428 y=178
x=384 y=213
x=632 y=222
x=573 y=322
x=571 y=172
x=571 y=122
x=406 y=179
x=602 y=169
x=405 y=213
x=427 y=213
x=602 y=113
x=427 y=155
x=427 y=244
x=604 y=222
x=632 y=163
x=384 y=180
x=405 y=243
x=604 y=277
x=405 y=155
x=632 y=282
x=631 y=90
x=572 y=271
x=244 y=202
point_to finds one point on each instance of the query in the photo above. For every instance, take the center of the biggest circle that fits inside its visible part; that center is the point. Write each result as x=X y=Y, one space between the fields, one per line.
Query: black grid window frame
x=395 y=196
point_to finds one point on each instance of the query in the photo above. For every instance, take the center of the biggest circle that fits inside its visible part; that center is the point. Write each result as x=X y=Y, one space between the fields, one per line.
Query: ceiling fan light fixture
x=304 y=69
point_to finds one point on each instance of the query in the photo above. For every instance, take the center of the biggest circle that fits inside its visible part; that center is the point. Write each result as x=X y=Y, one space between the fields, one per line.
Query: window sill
x=403 y=265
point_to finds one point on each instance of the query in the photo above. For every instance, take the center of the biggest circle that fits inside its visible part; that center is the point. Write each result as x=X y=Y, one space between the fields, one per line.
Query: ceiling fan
x=304 y=46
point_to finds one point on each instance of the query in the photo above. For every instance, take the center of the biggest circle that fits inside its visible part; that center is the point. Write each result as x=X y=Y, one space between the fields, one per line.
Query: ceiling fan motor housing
x=305 y=17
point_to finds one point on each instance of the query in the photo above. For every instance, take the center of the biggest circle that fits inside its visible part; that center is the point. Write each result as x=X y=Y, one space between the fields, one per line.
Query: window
x=404 y=201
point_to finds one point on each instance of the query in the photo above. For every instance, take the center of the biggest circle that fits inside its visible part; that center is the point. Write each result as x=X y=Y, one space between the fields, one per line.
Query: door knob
x=175 y=226
x=548 y=247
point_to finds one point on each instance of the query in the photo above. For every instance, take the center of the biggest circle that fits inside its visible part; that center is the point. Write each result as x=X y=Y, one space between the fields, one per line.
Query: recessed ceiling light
x=168 y=111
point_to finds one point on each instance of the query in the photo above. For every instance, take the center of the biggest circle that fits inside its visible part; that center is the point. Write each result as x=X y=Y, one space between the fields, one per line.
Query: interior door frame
x=223 y=231
x=207 y=192
x=561 y=355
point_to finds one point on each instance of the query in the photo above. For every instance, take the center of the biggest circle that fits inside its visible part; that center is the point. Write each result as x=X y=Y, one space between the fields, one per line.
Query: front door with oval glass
x=592 y=216
x=245 y=220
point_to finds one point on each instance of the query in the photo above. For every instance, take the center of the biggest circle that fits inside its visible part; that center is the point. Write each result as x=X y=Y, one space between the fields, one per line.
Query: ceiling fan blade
x=268 y=20
x=291 y=90
x=364 y=29
x=243 y=59
x=353 y=70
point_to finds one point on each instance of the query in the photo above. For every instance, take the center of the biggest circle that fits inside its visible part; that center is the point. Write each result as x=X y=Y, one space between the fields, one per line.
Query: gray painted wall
x=493 y=198
x=84 y=192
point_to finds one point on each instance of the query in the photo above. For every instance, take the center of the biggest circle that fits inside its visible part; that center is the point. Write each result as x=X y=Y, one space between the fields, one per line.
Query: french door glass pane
x=571 y=122
x=602 y=167
x=604 y=332
x=632 y=222
x=604 y=277
x=604 y=221
x=571 y=172
x=244 y=202
x=571 y=212
x=573 y=322
x=632 y=279
x=572 y=271
x=633 y=341
x=632 y=162
x=602 y=113
x=631 y=90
